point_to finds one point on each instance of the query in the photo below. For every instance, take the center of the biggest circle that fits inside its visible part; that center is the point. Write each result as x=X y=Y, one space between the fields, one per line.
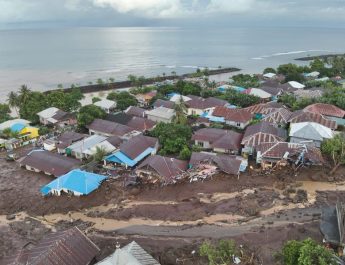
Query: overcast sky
x=329 y=13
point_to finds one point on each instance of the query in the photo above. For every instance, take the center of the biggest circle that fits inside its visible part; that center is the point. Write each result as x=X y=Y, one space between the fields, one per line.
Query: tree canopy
x=239 y=99
x=245 y=80
x=123 y=99
x=4 y=112
x=334 y=148
x=306 y=252
x=88 y=114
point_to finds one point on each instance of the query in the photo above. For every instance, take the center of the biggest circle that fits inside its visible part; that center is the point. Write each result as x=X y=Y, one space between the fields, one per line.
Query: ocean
x=44 y=58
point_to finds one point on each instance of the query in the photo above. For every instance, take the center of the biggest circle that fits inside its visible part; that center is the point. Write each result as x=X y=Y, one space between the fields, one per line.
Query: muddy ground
x=259 y=210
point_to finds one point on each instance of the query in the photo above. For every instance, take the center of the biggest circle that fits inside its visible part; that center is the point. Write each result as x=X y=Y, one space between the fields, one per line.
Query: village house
x=161 y=114
x=163 y=103
x=311 y=93
x=145 y=99
x=139 y=124
x=261 y=133
x=309 y=133
x=75 y=182
x=131 y=254
x=135 y=111
x=55 y=116
x=106 y=105
x=66 y=139
x=269 y=75
x=177 y=98
x=199 y=106
x=306 y=116
x=262 y=109
x=239 y=118
x=25 y=135
x=49 y=163
x=275 y=92
x=133 y=151
x=81 y=149
x=257 y=92
x=203 y=165
x=219 y=140
x=329 y=111
x=282 y=153
x=279 y=116
x=292 y=86
x=161 y=169
x=65 y=247
x=108 y=128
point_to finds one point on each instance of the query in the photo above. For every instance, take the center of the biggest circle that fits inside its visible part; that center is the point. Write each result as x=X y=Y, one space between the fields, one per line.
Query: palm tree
x=173 y=73
x=24 y=93
x=100 y=154
x=180 y=112
x=13 y=101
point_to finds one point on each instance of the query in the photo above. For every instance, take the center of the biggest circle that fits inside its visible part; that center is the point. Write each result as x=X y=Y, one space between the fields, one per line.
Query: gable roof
x=262 y=132
x=48 y=113
x=277 y=150
x=49 y=162
x=163 y=103
x=205 y=103
x=135 y=111
x=326 y=109
x=236 y=115
x=66 y=247
x=67 y=138
x=122 y=118
x=168 y=168
x=257 y=92
x=226 y=163
x=278 y=116
x=310 y=130
x=264 y=108
x=131 y=254
x=296 y=84
x=87 y=143
x=105 y=104
x=141 y=124
x=137 y=145
x=109 y=127
x=306 y=116
x=162 y=112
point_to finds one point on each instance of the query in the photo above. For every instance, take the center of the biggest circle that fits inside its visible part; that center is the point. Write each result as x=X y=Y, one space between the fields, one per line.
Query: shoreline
x=86 y=89
x=324 y=56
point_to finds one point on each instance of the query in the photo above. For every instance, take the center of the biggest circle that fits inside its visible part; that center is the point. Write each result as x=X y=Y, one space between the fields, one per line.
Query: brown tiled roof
x=229 y=141
x=168 y=168
x=141 y=124
x=263 y=108
x=205 y=103
x=109 y=127
x=136 y=145
x=115 y=141
x=236 y=115
x=306 y=116
x=278 y=116
x=70 y=247
x=61 y=115
x=274 y=91
x=277 y=150
x=164 y=103
x=135 y=111
x=326 y=109
x=49 y=162
x=226 y=163
x=67 y=138
x=261 y=133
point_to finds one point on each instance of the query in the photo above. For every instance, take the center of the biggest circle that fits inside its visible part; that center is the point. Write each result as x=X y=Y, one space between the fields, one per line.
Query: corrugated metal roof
x=310 y=130
x=135 y=111
x=108 y=127
x=236 y=115
x=137 y=144
x=205 y=103
x=70 y=247
x=306 y=116
x=278 y=116
x=326 y=109
x=49 y=162
x=87 y=143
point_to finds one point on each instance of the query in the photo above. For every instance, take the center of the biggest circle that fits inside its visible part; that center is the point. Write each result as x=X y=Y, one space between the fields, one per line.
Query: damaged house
x=282 y=153
x=161 y=169
x=203 y=165
x=219 y=140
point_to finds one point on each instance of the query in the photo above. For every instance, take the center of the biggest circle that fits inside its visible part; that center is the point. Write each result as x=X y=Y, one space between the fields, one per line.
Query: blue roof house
x=76 y=181
x=133 y=151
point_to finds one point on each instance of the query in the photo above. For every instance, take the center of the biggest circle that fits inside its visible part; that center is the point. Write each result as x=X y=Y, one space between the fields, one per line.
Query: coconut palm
x=24 y=93
x=100 y=154
x=13 y=101
x=180 y=112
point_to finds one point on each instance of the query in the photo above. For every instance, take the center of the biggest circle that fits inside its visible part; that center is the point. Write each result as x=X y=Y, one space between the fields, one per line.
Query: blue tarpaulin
x=121 y=158
x=77 y=181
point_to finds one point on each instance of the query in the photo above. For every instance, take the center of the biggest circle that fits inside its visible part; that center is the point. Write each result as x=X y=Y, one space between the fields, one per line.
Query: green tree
x=35 y=102
x=88 y=114
x=95 y=99
x=180 y=112
x=185 y=153
x=24 y=93
x=221 y=254
x=123 y=99
x=43 y=130
x=4 y=112
x=269 y=70
x=13 y=101
x=99 y=154
x=306 y=252
x=334 y=148
x=245 y=80
x=239 y=99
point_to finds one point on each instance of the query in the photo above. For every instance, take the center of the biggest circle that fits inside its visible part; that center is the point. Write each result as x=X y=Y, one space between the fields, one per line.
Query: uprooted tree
x=334 y=148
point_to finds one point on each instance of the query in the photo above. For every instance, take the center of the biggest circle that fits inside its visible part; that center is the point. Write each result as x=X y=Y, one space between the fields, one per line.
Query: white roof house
x=48 y=113
x=160 y=114
x=132 y=254
x=105 y=145
x=9 y=123
x=259 y=93
x=106 y=104
x=177 y=98
x=309 y=132
x=269 y=75
x=84 y=146
x=297 y=85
